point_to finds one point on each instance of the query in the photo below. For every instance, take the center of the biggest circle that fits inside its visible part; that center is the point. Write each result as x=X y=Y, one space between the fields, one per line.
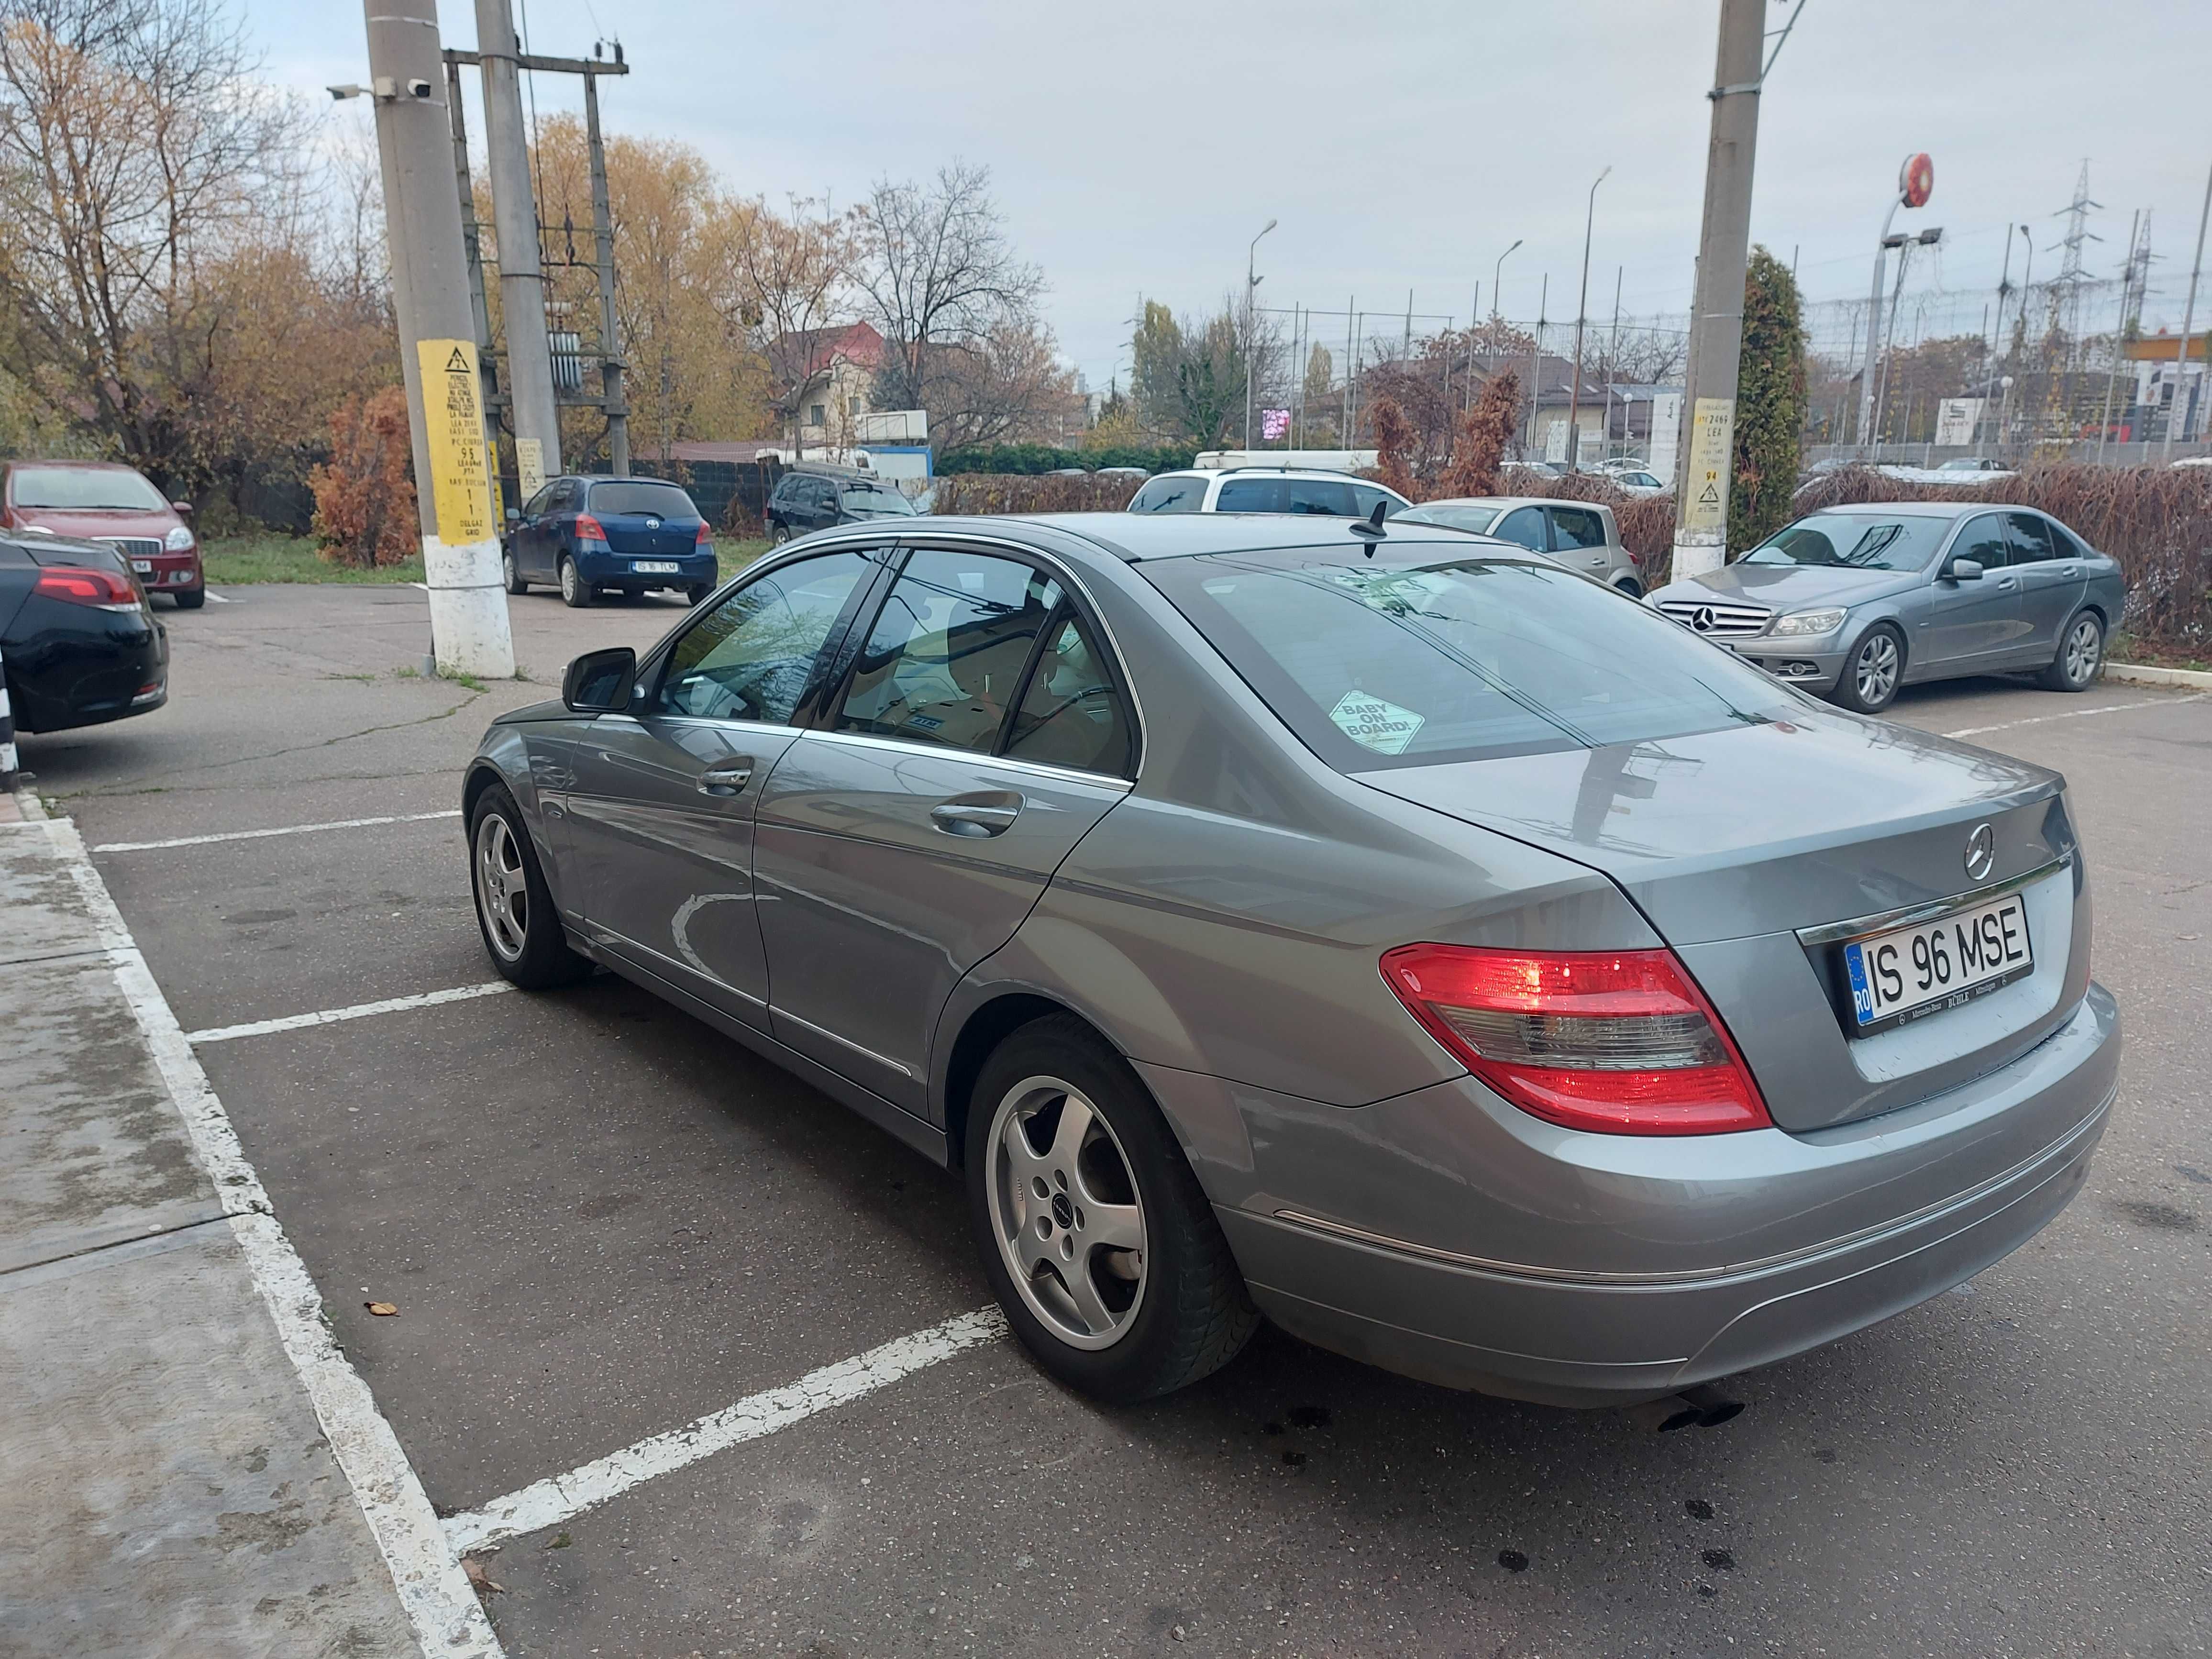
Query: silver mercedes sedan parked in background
x=1379 y=927
x=1858 y=601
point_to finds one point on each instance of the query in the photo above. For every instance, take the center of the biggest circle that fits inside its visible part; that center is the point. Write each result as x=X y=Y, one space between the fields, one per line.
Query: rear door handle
x=976 y=818
x=728 y=778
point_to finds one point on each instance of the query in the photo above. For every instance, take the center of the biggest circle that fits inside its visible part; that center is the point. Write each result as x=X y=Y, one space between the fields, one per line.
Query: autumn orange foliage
x=1479 y=445
x=364 y=496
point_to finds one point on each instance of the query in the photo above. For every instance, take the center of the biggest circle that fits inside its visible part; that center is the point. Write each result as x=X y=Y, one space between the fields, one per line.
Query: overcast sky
x=1137 y=148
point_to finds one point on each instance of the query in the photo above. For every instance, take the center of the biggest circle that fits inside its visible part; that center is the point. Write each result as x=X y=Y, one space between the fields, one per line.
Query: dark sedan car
x=1380 y=928
x=590 y=536
x=77 y=636
x=808 y=501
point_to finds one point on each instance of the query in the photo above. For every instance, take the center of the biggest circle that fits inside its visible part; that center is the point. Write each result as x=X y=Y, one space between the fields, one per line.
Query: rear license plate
x=655 y=567
x=1909 y=973
x=143 y=567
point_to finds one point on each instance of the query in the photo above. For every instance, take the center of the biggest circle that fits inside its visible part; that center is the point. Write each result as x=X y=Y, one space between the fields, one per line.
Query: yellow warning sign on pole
x=1713 y=449
x=453 y=412
x=529 y=467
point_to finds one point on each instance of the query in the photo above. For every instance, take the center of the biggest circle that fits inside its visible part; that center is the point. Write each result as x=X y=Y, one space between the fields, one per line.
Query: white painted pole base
x=468 y=608
x=1698 y=553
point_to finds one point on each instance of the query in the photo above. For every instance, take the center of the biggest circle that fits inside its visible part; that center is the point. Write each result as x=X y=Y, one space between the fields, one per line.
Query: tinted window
x=86 y=488
x=663 y=501
x=1982 y=540
x=1477 y=519
x=2064 y=543
x=1365 y=497
x=1864 y=541
x=536 y=504
x=1577 y=526
x=874 y=501
x=1175 y=493
x=1329 y=496
x=1524 y=525
x=565 y=494
x=1374 y=664
x=944 y=662
x=1070 y=714
x=2029 y=541
x=1250 y=496
x=751 y=656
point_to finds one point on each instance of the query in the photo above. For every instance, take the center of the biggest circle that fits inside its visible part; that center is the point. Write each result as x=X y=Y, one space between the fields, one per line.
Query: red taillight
x=73 y=585
x=589 y=528
x=1619 y=1042
x=705 y=538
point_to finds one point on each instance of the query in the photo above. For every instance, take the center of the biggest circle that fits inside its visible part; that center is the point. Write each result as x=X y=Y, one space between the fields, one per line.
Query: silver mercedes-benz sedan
x=1376 y=926
x=1859 y=601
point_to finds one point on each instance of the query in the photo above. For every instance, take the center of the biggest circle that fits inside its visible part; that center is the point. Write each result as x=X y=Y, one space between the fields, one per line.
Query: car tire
x=697 y=593
x=515 y=913
x=514 y=582
x=1149 y=1319
x=190 y=598
x=1873 y=670
x=778 y=534
x=1629 y=585
x=575 y=592
x=2080 y=656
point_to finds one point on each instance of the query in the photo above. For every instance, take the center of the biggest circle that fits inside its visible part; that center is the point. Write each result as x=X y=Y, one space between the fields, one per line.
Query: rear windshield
x=1380 y=664
x=85 y=488
x=1477 y=519
x=641 y=496
x=1178 y=492
x=1860 y=541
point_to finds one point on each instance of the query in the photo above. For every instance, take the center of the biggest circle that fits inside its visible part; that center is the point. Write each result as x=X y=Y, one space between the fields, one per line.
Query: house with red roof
x=819 y=381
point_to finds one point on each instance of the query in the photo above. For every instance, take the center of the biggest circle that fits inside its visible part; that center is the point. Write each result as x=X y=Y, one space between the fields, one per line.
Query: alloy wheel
x=1066 y=1212
x=1873 y=670
x=2084 y=644
x=570 y=581
x=502 y=888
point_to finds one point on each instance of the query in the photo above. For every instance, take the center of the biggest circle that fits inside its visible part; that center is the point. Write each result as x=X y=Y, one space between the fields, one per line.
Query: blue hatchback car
x=590 y=536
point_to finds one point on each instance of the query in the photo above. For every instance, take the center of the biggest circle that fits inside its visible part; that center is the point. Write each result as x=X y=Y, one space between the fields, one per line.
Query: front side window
x=1860 y=541
x=1250 y=496
x=1332 y=496
x=662 y=500
x=566 y=495
x=536 y=505
x=944 y=662
x=1577 y=527
x=1070 y=714
x=1178 y=492
x=1982 y=541
x=1524 y=525
x=1382 y=664
x=751 y=657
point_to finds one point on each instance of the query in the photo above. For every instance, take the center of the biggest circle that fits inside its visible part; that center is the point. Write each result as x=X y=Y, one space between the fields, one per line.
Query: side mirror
x=183 y=508
x=600 y=682
x=1963 y=570
x=514 y=515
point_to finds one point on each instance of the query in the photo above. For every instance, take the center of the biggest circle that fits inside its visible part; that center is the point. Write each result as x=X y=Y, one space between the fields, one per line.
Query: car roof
x=74 y=466
x=1507 y=501
x=1135 y=537
x=1919 y=509
x=1273 y=472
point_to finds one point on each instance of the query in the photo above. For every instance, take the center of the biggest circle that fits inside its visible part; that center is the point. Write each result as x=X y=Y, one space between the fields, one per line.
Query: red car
x=105 y=502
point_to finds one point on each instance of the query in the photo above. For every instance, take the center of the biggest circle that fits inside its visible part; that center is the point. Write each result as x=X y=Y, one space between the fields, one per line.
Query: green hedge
x=1032 y=459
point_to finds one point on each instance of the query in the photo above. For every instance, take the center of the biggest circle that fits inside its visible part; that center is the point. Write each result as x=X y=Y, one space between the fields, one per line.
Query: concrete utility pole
x=514 y=218
x=1716 y=314
x=469 y=625
x=613 y=399
x=2180 y=405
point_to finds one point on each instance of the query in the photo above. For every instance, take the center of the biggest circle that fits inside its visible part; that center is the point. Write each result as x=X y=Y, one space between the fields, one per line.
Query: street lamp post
x=1497 y=307
x=1582 y=307
x=1916 y=180
x=1251 y=319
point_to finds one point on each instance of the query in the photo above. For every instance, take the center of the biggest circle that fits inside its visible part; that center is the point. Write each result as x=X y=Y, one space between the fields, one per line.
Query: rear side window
x=751 y=656
x=663 y=501
x=1250 y=496
x=2064 y=543
x=2028 y=539
x=945 y=660
x=1577 y=526
x=1175 y=492
x=1365 y=498
x=1380 y=664
x=1070 y=714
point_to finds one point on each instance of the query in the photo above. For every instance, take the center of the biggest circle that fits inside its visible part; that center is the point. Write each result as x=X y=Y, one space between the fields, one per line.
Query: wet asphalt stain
x=1718 y=1560
x=1696 y=1509
x=2156 y=1215
x=1513 y=1561
x=2191 y=1172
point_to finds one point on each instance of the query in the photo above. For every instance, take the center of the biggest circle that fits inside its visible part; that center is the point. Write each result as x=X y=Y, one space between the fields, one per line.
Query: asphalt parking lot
x=601 y=1221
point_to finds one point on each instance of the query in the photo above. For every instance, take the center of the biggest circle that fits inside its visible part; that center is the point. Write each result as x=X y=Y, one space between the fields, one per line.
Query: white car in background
x=1296 y=490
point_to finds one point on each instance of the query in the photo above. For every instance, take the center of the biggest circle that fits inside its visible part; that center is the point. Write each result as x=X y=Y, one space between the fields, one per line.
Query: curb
x=2143 y=674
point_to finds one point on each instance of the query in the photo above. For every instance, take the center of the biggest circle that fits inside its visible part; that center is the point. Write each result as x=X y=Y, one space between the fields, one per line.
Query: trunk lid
x=648 y=535
x=1732 y=843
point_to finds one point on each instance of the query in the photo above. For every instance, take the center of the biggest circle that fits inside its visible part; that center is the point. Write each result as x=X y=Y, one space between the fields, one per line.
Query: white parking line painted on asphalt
x=563 y=1497
x=2073 y=714
x=358 y=1010
x=448 y=1620
x=216 y=597
x=263 y=835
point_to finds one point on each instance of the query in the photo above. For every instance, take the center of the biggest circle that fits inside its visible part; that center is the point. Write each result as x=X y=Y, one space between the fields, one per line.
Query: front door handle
x=727 y=778
x=985 y=815
x=2010 y=584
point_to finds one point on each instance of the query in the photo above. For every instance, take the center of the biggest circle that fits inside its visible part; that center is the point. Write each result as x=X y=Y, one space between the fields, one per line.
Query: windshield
x=1380 y=664
x=1855 y=541
x=876 y=501
x=85 y=488
x=637 y=495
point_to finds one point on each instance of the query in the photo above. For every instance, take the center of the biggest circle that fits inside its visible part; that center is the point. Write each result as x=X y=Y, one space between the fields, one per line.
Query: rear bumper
x=605 y=568
x=71 y=666
x=1808 y=1237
